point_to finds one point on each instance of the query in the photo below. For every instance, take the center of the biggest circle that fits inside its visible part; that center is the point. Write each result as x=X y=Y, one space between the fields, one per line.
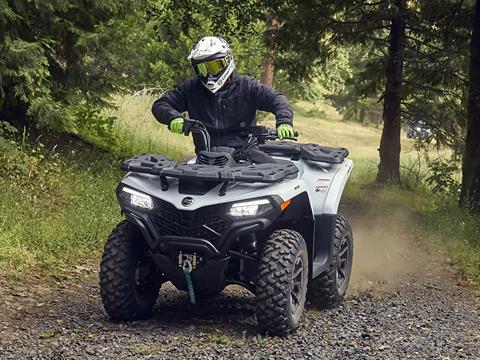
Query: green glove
x=285 y=131
x=176 y=125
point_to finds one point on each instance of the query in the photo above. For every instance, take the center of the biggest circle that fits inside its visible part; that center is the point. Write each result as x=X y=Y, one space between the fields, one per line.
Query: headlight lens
x=138 y=199
x=250 y=208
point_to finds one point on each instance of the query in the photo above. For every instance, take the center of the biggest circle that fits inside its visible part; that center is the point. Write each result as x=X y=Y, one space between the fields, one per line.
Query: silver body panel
x=324 y=184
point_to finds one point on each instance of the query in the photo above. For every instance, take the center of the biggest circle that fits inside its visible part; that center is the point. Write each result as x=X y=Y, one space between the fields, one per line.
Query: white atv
x=219 y=219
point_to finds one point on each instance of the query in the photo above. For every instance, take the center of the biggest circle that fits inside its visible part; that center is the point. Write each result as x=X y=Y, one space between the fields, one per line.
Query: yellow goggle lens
x=212 y=67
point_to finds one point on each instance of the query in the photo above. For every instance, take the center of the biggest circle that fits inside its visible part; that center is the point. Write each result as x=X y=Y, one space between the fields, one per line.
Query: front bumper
x=183 y=231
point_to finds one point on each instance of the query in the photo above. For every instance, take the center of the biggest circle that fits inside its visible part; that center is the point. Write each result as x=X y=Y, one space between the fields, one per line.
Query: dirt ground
x=403 y=302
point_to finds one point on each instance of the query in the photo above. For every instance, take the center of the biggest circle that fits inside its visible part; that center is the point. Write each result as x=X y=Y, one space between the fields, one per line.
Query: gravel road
x=403 y=304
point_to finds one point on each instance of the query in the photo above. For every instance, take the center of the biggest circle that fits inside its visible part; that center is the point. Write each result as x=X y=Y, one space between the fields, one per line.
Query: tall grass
x=59 y=212
x=138 y=131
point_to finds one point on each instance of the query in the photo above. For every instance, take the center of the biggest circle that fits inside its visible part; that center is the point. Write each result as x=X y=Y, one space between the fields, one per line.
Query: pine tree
x=470 y=195
x=52 y=62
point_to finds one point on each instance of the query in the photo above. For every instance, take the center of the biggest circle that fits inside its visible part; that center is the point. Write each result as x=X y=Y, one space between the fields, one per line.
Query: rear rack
x=167 y=168
x=312 y=152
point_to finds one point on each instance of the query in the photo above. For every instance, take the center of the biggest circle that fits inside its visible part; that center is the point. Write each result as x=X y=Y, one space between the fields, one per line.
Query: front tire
x=282 y=283
x=129 y=280
x=328 y=289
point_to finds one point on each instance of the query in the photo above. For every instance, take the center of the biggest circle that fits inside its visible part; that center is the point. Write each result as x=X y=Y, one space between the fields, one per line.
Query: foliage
x=442 y=176
x=52 y=56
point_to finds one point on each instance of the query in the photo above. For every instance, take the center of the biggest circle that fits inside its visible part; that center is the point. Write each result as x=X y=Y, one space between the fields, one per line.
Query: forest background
x=67 y=67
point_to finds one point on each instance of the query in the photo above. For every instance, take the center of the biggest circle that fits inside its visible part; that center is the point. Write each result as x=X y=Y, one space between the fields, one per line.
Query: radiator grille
x=207 y=223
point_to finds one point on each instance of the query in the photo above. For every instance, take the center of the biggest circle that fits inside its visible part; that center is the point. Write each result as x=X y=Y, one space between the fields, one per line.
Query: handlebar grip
x=295 y=136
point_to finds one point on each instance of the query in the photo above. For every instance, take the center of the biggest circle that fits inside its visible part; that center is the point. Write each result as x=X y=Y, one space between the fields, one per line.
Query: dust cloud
x=386 y=254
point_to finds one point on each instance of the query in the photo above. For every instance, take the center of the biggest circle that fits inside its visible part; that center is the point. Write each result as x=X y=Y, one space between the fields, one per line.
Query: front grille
x=205 y=223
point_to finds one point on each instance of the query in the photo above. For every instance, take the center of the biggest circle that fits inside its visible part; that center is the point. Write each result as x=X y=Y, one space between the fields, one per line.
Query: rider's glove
x=285 y=131
x=176 y=125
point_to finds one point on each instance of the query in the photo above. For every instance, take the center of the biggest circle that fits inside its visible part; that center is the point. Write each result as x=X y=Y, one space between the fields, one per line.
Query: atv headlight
x=138 y=199
x=250 y=208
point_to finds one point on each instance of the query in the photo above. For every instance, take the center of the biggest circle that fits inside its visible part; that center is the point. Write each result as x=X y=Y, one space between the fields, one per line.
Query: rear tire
x=129 y=280
x=282 y=282
x=328 y=289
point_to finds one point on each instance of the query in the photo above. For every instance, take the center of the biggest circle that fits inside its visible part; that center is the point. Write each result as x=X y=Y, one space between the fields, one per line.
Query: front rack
x=167 y=168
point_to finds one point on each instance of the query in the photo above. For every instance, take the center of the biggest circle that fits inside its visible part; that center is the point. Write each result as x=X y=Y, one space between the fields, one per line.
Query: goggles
x=212 y=67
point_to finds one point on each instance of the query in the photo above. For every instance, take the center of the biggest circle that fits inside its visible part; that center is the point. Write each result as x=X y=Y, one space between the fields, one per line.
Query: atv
x=221 y=219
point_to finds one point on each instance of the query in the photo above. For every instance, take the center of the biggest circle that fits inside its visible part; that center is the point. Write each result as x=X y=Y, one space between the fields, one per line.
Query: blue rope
x=187 y=269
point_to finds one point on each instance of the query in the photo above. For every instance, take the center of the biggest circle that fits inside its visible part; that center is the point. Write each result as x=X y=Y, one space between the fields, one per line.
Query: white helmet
x=212 y=61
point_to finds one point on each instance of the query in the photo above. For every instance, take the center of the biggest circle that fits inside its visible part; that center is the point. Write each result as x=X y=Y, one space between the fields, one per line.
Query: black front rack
x=167 y=168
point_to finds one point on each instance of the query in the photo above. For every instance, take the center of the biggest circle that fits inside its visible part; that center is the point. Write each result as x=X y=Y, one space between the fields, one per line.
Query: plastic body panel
x=315 y=189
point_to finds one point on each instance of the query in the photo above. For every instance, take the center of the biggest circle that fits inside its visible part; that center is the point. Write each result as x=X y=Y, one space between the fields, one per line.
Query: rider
x=223 y=100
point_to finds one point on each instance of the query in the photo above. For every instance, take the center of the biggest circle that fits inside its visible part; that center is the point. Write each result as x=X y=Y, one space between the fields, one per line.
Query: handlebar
x=260 y=133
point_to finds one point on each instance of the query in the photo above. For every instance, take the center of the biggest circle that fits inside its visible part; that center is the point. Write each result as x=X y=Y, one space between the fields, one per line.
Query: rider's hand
x=176 y=125
x=285 y=131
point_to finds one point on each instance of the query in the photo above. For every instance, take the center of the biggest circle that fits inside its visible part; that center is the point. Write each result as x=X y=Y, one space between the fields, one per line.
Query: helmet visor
x=212 y=67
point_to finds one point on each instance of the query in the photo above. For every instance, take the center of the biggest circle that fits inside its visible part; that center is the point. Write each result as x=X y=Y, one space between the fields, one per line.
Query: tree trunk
x=271 y=42
x=470 y=195
x=389 y=167
x=363 y=117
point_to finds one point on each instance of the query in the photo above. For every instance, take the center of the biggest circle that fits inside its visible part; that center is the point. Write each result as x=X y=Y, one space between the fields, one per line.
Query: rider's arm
x=170 y=105
x=274 y=102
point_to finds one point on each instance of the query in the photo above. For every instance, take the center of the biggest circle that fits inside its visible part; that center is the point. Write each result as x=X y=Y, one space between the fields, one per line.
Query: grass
x=50 y=333
x=57 y=214
x=148 y=350
x=217 y=337
x=58 y=206
x=138 y=131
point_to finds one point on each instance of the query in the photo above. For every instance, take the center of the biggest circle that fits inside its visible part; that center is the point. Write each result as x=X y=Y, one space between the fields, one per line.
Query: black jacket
x=225 y=113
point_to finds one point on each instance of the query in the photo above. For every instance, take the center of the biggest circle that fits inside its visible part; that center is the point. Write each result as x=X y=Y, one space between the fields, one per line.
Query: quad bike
x=418 y=130
x=220 y=219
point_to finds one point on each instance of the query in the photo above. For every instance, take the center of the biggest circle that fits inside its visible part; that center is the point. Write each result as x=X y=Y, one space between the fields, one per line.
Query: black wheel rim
x=297 y=284
x=343 y=259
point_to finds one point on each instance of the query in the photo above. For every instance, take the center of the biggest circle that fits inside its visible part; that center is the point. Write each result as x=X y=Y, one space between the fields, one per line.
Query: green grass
x=58 y=206
x=138 y=131
x=57 y=214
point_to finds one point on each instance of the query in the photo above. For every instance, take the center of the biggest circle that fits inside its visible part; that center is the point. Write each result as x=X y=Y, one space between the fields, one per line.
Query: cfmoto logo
x=187 y=201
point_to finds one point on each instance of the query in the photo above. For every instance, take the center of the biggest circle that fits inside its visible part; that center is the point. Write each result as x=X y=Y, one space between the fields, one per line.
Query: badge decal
x=187 y=201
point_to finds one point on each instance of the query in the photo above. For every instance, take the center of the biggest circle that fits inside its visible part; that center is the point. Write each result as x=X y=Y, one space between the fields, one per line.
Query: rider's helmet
x=212 y=61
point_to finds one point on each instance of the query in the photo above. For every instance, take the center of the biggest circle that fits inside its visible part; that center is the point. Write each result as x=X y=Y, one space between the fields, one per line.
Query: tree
x=52 y=60
x=470 y=194
x=271 y=48
x=389 y=167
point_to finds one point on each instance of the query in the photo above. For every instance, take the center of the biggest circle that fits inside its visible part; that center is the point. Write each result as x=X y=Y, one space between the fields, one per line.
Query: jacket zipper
x=217 y=123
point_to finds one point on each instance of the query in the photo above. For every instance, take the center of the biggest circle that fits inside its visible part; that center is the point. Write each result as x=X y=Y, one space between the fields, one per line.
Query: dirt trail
x=403 y=303
x=386 y=253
